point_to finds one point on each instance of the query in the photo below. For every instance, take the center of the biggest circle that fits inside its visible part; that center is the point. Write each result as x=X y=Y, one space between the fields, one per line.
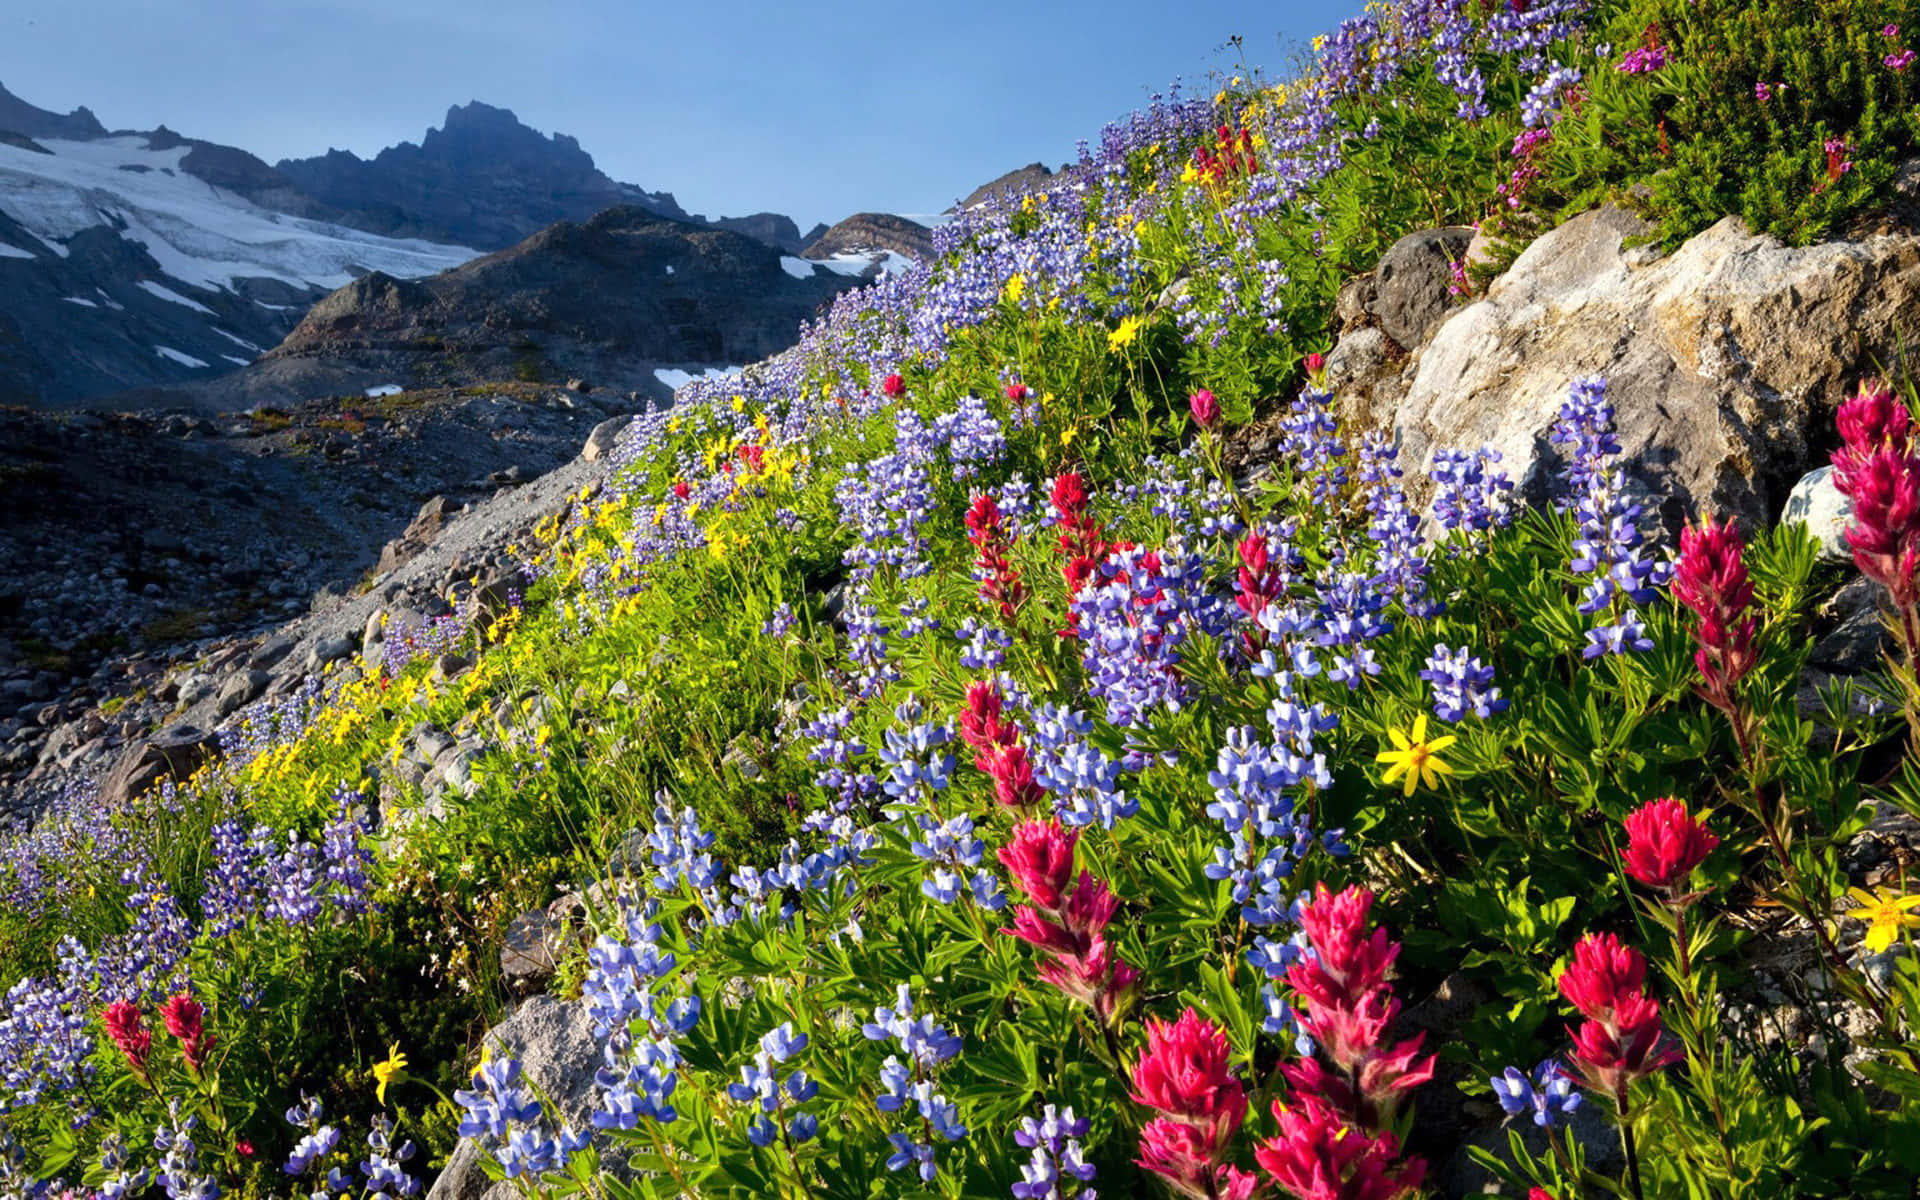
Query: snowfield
x=199 y=234
x=677 y=379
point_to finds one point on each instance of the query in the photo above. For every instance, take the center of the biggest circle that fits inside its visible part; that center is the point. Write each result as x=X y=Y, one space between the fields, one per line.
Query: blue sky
x=813 y=110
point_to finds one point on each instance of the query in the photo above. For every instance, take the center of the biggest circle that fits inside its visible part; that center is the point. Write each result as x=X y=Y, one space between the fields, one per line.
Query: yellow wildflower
x=1415 y=757
x=1123 y=336
x=386 y=1072
x=1189 y=173
x=1016 y=287
x=1885 y=914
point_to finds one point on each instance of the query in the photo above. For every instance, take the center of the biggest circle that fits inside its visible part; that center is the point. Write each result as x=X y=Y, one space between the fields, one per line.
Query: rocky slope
x=223 y=527
x=1014 y=182
x=613 y=301
x=866 y=232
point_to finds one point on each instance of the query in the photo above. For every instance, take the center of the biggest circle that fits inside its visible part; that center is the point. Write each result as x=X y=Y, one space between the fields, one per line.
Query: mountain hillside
x=1360 y=642
x=613 y=300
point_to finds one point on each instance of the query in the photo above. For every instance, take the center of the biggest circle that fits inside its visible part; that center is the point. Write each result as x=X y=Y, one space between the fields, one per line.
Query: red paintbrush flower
x=1665 y=844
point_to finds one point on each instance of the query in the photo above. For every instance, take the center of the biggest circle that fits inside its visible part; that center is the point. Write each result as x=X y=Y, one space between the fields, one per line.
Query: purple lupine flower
x=1541 y=107
x=1470 y=495
x=1460 y=685
x=384 y=1168
x=1054 y=1138
x=781 y=623
x=916 y=764
x=1083 y=779
x=346 y=855
x=910 y=1084
x=760 y=1086
x=1608 y=546
x=1549 y=1096
x=955 y=853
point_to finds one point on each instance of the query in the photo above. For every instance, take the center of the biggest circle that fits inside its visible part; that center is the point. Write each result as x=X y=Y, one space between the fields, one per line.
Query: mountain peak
x=17 y=116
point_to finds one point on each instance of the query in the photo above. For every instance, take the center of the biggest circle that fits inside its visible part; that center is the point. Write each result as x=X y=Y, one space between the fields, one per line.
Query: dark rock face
x=17 y=116
x=1015 y=182
x=237 y=171
x=482 y=179
x=607 y=301
x=173 y=753
x=775 y=229
x=873 y=231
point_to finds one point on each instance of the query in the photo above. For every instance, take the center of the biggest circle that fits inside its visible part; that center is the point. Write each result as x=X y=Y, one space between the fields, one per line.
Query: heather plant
x=980 y=782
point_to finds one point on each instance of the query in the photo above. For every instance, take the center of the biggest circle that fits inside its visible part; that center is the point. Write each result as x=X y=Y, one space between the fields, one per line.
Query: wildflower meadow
x=983 y=774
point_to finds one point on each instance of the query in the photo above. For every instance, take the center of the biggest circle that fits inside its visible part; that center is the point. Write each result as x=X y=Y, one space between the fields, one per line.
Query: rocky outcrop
x=1015 y=182
x=874 y=231
x=554 y=1044
x=1725 y=359
x=774 y=229
x=1410 y=293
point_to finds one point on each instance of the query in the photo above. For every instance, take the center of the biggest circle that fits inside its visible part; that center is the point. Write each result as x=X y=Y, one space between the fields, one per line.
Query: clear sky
x=813 y=110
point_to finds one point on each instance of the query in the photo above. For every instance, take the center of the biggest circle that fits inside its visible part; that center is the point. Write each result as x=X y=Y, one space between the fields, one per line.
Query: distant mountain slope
x=611 y=300
x=121 y=265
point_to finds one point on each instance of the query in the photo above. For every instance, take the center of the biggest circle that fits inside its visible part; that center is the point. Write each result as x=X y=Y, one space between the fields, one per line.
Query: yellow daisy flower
x=1415 y=757
x=386 y=1072
x=1885 y=914
x=1124 y=334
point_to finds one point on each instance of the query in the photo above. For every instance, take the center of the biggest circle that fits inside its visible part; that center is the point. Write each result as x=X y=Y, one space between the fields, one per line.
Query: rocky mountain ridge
x=616 y=301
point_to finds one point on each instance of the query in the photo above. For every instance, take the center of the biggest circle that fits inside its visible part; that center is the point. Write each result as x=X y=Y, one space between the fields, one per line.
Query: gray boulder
x=605 y=436
x=173 y=753
x=1410 y=283
x=1725 y=360
x=558 y=1055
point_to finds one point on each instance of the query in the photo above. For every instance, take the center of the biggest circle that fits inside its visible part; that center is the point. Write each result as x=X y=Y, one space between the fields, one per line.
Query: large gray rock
x=554 y=1042
x=1725 y=360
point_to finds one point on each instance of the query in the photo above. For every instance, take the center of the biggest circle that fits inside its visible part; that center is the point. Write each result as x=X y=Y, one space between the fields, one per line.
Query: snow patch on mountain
x=7 y=251
x=185 y=360
x=199 y=234
x=172 y=297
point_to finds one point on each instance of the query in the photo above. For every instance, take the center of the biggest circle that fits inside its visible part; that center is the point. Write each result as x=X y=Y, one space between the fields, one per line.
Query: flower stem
x=1626 y=1144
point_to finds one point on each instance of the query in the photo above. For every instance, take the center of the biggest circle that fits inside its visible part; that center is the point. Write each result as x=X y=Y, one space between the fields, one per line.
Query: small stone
x=1817 y=503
